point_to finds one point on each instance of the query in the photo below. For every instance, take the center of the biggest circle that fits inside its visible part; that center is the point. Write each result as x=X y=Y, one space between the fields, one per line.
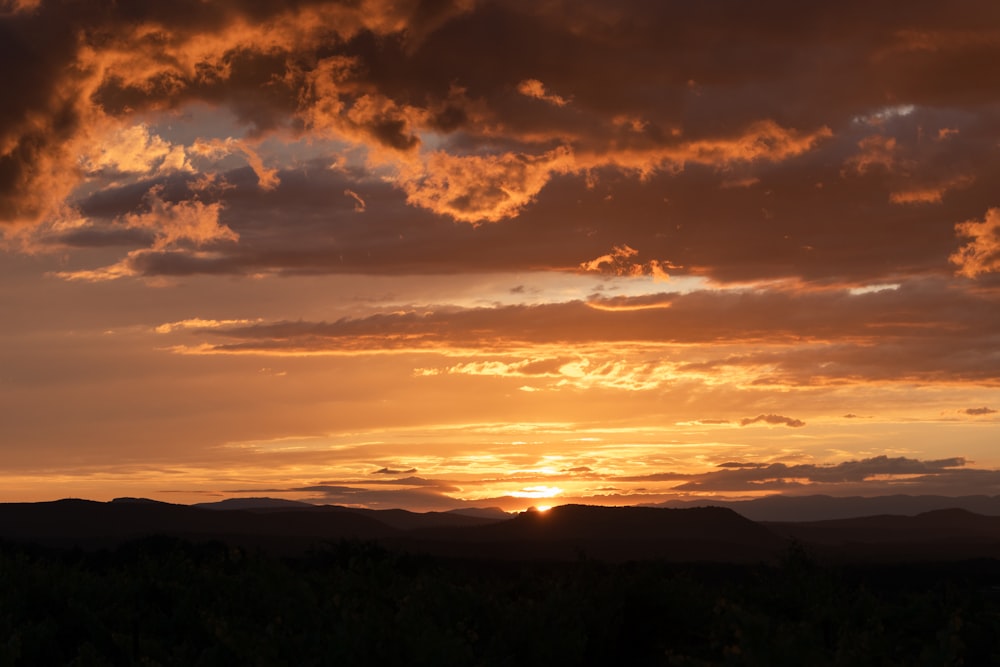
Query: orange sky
x=439 y=254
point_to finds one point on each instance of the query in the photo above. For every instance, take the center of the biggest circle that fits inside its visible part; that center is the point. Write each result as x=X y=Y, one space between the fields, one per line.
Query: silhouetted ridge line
x=253 y=504
x=87 y=523
x=610 y=533
x=823 y=507
x=561 y=534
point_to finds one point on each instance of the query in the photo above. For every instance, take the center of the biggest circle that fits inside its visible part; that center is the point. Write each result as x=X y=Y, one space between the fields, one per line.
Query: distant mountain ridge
x=564 y=533
x=253 y=504
x=399 y=519
x=822 y=507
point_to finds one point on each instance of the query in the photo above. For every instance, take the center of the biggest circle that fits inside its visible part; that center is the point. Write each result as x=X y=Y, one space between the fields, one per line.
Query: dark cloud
x=656 y=115
x=389 y=471
x=979 y=411
x=403 y=481
x=772 y=419
x=432 y=499
x=879 y=473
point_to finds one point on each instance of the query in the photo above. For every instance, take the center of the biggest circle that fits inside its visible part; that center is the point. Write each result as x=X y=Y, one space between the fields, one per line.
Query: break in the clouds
x=434 y=215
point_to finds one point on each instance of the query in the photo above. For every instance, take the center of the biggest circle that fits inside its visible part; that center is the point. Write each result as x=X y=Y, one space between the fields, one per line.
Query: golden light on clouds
x=374 y=254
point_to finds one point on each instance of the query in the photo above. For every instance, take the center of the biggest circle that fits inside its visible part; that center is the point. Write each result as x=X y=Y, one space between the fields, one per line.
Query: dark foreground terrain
x=169 y=601
x=150 y=583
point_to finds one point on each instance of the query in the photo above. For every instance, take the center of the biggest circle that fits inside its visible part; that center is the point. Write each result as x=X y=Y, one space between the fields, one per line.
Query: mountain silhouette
x=85 y=523
x=563 y=533
x=947 y=534
x=822 y=507
x=253 y=504
x=613 y=533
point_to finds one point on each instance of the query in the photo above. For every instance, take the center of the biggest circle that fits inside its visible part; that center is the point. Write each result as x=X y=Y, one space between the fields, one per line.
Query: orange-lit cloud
x=536 y=89
x=876 y=151
x=619 y=262
x=266 y=178
x=981 y=254
x=476 y=189
x=837 y=337
x=930 y=194
x=133 y=150
x=359 y=203
x=15 y=6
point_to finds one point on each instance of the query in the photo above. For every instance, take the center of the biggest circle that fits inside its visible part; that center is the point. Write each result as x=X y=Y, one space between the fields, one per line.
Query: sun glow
x=537 y=492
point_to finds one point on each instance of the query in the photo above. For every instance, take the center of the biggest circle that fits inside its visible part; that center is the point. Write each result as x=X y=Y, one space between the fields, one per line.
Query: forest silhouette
x=196 y=599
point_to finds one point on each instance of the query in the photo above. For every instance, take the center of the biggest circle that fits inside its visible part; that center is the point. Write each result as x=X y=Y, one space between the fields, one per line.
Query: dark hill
x=253 y=504
x=940 y=534
x=823 y=508
x=92 y=524
x=398 y=519
x=612 y=533
x=562 y=533
x=406 y=520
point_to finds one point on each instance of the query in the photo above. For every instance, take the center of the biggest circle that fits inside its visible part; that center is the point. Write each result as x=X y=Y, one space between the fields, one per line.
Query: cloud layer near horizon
x=880 y=475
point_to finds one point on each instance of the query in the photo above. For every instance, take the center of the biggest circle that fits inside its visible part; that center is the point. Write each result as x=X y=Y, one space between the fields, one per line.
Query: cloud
x=267 y=179
x=434 y=497
x=376 y=85
x=179 y=223
x=536 y=89
x=359 y=203
x=476 y=189
x=174 y=226
x=880 y=473
x=772 y=419
x=198 y=323
x=979 y=411
x=619 y=262
x=871 y=476
x=922 y=332
x=982 y=254
x=135 y=150
x=390 y=471
x=930 y=194
x=16 y=6
x=876 y=151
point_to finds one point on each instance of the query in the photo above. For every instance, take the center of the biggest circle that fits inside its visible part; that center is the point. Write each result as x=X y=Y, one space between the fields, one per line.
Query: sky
x=433 y=254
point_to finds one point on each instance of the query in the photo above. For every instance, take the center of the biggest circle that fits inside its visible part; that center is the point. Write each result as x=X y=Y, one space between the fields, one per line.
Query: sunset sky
x=445 y=253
